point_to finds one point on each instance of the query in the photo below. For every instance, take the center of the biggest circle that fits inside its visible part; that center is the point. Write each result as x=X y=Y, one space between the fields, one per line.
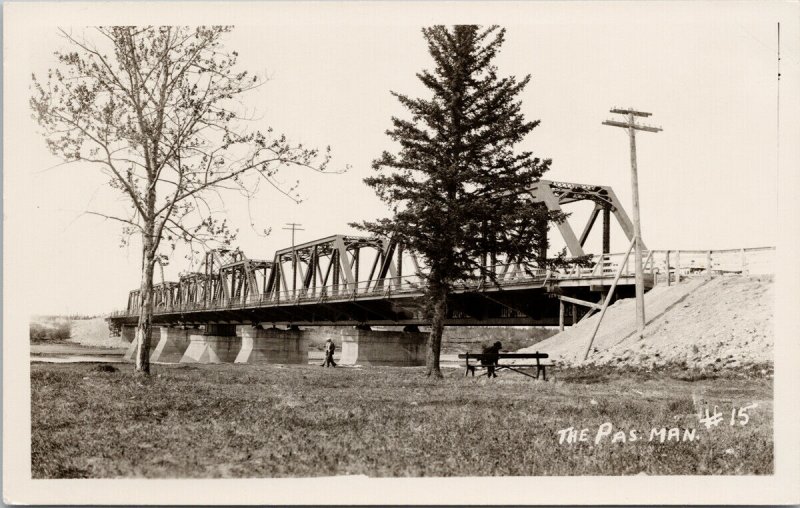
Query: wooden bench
x=478 y=357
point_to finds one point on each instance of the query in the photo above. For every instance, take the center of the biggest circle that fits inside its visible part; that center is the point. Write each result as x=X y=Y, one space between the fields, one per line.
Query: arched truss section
x=556 y=194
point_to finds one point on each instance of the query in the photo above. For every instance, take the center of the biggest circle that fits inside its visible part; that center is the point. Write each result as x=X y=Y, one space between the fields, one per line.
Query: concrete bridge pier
x=363 y=346
x=218 y=343
x=173 y=344
x=155 y=337
x=128 y=333
x=272 y=345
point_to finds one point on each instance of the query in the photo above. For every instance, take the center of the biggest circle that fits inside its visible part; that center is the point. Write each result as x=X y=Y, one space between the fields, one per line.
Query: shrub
x=54 y=331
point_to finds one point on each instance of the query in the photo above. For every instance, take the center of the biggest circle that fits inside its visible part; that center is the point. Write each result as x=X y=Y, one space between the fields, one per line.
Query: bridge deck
x=526 y=300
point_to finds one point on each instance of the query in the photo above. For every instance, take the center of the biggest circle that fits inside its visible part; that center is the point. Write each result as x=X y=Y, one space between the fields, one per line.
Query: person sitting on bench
x=492 y=356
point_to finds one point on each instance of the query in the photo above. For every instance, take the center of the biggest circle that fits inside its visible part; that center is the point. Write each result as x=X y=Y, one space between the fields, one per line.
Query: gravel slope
x=724 y=322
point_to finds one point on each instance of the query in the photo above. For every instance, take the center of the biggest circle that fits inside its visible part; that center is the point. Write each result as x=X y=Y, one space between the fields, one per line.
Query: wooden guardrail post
x=560 y=316
x=667 y=267
x=677 y=266
x=708 y=264
x=608 y=299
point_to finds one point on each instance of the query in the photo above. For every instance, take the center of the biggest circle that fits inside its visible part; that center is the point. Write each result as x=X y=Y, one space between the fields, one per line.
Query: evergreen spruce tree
x=456 y=187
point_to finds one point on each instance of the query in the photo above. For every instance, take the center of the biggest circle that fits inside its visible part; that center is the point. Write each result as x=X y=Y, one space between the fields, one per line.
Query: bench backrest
x=480 y=356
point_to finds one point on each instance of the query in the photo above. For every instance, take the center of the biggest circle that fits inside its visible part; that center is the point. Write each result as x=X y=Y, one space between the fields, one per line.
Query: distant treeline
x=69 y=317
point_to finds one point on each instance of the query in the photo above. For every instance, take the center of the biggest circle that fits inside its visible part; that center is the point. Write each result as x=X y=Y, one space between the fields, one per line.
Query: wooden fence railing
x=668 y=266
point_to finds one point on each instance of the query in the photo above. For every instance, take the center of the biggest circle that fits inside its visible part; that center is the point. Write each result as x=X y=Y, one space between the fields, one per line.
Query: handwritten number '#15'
x=743 y=416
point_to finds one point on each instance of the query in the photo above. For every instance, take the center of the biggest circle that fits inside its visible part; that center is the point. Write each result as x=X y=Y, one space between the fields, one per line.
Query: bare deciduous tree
x=158 y=110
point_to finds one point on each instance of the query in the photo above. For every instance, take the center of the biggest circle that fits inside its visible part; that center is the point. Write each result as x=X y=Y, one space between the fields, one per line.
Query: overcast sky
x=709 y=180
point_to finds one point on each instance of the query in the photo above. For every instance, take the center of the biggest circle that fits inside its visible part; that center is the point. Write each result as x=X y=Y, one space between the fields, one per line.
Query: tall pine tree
x=456 y=187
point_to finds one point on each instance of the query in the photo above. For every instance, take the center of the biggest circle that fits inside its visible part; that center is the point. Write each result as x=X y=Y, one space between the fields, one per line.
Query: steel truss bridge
x=353 y=280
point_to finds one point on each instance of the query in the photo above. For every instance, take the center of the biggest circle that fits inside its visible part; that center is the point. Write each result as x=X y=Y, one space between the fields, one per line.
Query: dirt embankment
x=723 y=322
x=94 y=332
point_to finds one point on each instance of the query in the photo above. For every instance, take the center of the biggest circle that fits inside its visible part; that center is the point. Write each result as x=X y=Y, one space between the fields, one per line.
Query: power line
x=293 y=226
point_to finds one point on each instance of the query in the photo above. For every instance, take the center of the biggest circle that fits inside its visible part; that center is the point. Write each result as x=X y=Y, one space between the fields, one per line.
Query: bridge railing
x=384 y=288
x=670 y=265
x=676 y=264
x=663 y=265
x=506 y=275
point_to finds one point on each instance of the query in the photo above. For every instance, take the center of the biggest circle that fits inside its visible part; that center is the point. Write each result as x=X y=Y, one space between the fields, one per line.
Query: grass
x=271 y=421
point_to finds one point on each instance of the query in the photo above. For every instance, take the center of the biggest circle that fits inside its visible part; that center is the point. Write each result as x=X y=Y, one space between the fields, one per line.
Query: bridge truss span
x=347 y=279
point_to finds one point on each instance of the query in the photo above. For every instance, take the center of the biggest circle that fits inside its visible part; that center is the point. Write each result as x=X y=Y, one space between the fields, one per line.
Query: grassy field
x=272 y=421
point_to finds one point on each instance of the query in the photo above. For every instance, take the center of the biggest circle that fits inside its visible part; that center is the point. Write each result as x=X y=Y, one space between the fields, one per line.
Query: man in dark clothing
x=491 y=357
x=330 y=347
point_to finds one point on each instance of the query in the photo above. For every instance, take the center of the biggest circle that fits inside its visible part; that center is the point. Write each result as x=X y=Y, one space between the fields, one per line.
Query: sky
x=709 y=180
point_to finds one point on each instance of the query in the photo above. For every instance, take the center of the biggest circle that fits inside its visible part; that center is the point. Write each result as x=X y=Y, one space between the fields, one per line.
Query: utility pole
x=293 y=226
x=632 y=127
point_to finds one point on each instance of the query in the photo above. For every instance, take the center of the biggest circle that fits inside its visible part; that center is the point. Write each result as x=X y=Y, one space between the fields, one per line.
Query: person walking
x=329 y=349
x=490 y=358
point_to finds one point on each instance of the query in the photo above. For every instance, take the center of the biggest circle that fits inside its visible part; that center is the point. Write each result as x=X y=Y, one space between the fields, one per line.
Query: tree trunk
x=142 y=363
x=435 y=337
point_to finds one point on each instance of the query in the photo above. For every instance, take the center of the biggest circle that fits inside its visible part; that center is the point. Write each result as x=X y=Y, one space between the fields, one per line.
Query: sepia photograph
x=400 y=253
